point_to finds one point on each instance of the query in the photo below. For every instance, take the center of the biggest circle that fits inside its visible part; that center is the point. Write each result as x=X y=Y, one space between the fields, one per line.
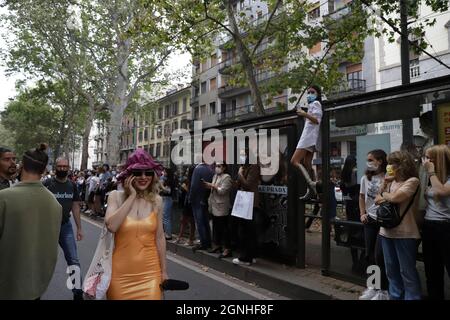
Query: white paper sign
x=243 y=205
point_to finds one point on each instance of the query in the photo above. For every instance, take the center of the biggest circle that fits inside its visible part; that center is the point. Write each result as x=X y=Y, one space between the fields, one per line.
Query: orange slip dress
x=136 y=269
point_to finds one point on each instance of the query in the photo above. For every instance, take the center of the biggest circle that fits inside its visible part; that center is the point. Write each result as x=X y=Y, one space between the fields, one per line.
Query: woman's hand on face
x=364 y=218
x=129 y=186
x=429 y=166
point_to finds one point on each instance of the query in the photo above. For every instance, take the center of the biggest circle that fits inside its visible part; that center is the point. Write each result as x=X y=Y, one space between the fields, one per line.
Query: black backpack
x=388 y=213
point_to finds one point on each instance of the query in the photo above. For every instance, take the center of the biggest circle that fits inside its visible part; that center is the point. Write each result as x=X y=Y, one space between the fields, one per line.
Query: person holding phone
x=135 y=217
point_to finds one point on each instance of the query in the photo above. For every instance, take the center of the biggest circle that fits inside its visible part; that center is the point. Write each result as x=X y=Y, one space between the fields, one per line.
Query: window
x=152 y=150
x=204 y=65
x=212 y=84
x=167 y=149
x=160 y=113
x=184 y=105
x=259 y=15
x=196 y=113
x=166 y=129
x=354 y=76
x=174 y=126
x=315 y=12
x=212 y=108
x=202 y=111
x=175 y=108
x=241 y=4
x=167 y=111
x=158 y=150
x=203 y=87
x=145 y=134
x=184 y=124
x=152 y=133
x=159 y=132
x=213 y=60
x=140 y=136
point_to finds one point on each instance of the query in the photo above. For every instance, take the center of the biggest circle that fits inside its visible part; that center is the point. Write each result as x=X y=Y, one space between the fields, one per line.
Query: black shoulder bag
x=388 y=213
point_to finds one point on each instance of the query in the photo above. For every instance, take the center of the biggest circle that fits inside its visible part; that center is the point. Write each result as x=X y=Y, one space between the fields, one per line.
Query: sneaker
x=368 y=294
x=381 y=295
x=237 y=262
x=253 y=260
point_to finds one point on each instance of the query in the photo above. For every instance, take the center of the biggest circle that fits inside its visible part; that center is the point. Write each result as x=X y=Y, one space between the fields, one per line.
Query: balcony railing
x=414 y=68
x=240 y=112
x=339 y=13
x=348 y=88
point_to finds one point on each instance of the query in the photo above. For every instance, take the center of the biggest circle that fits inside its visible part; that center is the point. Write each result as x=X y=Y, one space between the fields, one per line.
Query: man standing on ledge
x=66 y=193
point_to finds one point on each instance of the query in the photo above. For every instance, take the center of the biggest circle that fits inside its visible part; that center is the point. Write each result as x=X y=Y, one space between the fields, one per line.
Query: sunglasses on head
x=138 y=173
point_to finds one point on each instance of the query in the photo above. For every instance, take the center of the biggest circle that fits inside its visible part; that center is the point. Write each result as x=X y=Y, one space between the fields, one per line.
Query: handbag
x=388 y=213
x=98 y=276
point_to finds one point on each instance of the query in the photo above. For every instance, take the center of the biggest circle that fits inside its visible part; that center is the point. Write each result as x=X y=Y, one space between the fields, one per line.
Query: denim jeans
x=68 y=244
x=400 y=261
x=200 y=212
x=167 y=215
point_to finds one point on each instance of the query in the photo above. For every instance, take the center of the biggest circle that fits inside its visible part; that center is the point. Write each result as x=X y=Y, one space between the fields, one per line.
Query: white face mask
x=243 y=158
x=371 y=166
x=219 y=170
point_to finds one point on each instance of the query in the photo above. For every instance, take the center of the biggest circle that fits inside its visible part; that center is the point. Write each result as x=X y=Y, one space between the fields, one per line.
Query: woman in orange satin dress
x=135 y=217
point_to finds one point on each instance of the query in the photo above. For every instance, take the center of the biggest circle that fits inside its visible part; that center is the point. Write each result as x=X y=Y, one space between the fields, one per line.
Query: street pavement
x=205 y=283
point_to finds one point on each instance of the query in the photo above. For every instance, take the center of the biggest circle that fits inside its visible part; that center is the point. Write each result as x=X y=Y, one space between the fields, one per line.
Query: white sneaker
x=237 y=261
x=368 y=294
x=381 y=295
x=253 y=260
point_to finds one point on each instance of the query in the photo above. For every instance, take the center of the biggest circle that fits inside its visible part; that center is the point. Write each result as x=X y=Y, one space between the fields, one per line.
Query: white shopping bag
x=243 y=205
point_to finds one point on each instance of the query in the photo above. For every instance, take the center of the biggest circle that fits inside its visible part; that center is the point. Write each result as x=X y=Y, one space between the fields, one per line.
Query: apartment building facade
x=169 y=113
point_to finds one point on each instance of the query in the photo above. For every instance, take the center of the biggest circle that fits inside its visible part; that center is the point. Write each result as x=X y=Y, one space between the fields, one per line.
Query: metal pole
x=326 y=239
x=407 y=129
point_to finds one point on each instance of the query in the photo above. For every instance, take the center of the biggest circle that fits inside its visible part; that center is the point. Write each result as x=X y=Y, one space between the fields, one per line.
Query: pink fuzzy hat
x=140 y=160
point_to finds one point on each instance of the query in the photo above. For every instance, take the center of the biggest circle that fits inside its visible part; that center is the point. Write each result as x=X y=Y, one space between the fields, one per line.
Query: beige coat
x=219 y=200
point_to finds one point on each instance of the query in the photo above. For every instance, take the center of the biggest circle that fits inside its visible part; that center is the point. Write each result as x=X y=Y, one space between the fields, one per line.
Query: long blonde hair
x=440 y=154
x=151 y=194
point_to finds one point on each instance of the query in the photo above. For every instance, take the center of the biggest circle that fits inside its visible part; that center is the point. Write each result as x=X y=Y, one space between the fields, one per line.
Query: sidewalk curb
x=312 y=286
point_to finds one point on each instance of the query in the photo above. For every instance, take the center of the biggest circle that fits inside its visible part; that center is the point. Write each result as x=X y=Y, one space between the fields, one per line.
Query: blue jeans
x=68 y=244
x=167 y=215
x=400 y=262
x=200 y=212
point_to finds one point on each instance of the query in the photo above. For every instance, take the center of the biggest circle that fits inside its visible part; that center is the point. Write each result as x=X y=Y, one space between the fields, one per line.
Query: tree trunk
x=246 y=61
x=119 y=104
x=86 y=134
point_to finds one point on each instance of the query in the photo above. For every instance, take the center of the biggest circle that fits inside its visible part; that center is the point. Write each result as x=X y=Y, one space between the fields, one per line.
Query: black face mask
x=62 y=173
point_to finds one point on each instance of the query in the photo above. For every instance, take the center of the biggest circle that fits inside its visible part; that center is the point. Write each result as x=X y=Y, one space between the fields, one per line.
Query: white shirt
x=93 y=182
x=310 y=134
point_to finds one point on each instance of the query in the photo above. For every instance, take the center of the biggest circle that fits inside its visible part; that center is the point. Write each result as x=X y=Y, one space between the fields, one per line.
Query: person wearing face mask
x=350 y=191
x=371 y=184
x=66 y=193
x=399 y=243
x=219 y=207
x=309 y=141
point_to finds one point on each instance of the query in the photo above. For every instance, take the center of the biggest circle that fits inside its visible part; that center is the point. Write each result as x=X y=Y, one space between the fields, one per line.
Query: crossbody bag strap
x=409 y=205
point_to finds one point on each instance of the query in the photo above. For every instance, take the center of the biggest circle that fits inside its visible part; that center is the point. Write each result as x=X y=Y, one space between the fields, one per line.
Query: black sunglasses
x=138 y=173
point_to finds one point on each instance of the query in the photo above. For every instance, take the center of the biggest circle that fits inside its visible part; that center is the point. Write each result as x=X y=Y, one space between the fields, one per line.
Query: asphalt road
x=205 y=283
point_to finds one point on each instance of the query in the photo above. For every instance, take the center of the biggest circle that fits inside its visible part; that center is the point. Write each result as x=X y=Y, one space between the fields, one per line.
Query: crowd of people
x=136 y=201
